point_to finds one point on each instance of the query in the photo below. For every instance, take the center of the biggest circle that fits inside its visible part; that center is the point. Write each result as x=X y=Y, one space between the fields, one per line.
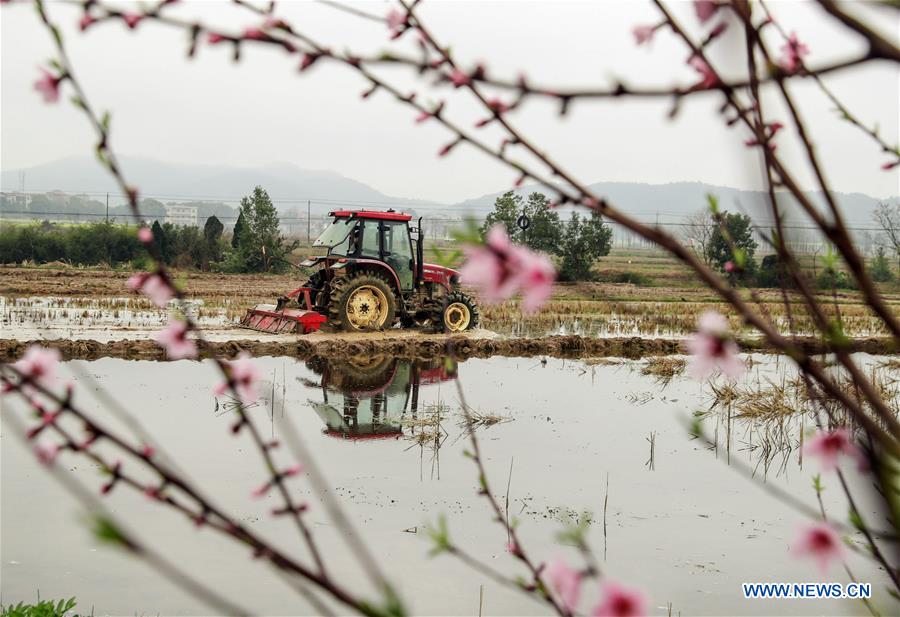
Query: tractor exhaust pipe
x=420 y=255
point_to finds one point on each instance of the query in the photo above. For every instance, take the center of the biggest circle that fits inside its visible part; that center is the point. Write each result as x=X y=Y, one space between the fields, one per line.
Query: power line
x=37 y=216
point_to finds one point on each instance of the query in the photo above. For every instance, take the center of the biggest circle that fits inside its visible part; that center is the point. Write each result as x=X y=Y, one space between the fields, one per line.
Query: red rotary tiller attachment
x=277 y=320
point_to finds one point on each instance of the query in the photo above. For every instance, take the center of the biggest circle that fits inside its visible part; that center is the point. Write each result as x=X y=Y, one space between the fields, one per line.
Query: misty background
x=209 y=129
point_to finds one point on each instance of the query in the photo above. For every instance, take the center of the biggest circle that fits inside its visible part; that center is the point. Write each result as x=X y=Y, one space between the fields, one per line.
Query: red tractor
x=372 y=276
x=370 y=397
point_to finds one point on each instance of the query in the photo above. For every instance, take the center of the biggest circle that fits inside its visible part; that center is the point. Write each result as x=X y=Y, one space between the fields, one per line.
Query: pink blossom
x=145 y=235
x=214 y=38
x=459 y=78
x=254 y=34
x=261 y=491
x=245 y=376
x=890 y=165
x=425 y=115
x=566 y=582
x=148 y=451
x=486 y=266
x=719 y=28
x=47 y=419
x=308 y=60
x=497 y=106
x=88 y=442
x=513 y=549
x=619 y=601
x=705 y=9
x=48 y=86
x=820 y=542
x=46 y=453
x=132 y=19
x=154 y=286
x=829 y=447
x=445 y=150
x=712 y=349
x=792 y=54
x=293 y=470
x=175 y=341
x=709 y=77
x=39 y=365
x=643 y=34
x=273 y=23
x=86 y=22
x=729 y=266
x=299 y=509
x=136 y=281
x=396 y=18
x=158 y=290
x=498 y=269
x=538 y=275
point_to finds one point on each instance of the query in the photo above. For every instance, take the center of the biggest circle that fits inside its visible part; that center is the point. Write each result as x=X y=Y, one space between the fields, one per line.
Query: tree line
x=724 y=241
x=58 y=207
x=577 y=243
x=256 y=245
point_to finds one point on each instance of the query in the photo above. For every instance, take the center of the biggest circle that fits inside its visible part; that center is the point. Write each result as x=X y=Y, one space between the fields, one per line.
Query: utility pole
x=308 y=223
x=106 y=231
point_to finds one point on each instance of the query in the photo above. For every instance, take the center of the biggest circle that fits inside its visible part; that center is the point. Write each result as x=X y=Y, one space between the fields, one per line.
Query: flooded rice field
x=120 y=317
x=98 y=318
x=123 y=327
x=604 y=441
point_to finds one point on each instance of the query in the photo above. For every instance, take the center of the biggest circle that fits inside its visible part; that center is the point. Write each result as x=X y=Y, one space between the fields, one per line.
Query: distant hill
x=672 y=202
x=287 y=185
x=290 y=187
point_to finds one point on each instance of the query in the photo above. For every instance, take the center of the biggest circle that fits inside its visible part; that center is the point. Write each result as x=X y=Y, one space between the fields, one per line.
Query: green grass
x=45 y=608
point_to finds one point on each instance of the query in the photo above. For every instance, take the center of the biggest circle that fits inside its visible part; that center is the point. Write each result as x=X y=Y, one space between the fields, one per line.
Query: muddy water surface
x=389 y=436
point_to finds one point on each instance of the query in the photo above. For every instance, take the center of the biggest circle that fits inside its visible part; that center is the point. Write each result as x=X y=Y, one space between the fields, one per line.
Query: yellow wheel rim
x=367 y=307
x=457 y=317
x=365 y=363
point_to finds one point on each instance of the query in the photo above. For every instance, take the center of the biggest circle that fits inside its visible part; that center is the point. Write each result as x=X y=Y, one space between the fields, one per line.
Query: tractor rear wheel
x=362 y=302
x=460 y=313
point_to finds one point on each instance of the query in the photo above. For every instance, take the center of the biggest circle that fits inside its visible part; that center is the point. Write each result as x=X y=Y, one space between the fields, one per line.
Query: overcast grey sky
x=211 y=110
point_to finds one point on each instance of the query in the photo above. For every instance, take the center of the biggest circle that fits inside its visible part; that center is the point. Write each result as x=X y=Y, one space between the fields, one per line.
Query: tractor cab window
x=398 y=251
x=370 y=247
x=337 y=237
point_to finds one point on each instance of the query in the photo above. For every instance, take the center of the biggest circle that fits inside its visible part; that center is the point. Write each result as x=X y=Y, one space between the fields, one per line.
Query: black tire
x=452 y=302
x=343 y=288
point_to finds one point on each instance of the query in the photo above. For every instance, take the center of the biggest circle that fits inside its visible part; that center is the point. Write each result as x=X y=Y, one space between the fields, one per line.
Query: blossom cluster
x=499 y=269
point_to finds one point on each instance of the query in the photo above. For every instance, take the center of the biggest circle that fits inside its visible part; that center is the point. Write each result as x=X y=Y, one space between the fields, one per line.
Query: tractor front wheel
x=460 y=312
x=363 y=302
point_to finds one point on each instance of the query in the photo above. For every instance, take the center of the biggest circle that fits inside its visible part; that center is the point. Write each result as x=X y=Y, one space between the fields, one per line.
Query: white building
x=181 y=215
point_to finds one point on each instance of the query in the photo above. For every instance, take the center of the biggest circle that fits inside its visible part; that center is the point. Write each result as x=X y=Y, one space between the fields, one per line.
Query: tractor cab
x=372 y=235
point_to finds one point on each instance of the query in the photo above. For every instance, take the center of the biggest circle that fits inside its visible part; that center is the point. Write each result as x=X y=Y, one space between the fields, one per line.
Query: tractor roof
x=388 y=215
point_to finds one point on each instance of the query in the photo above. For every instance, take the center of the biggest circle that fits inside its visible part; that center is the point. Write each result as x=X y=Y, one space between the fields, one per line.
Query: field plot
x=94 y=304
x=582 y=408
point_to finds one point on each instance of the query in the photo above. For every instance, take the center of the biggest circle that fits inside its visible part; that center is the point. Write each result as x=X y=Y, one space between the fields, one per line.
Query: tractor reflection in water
x=372 y=397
